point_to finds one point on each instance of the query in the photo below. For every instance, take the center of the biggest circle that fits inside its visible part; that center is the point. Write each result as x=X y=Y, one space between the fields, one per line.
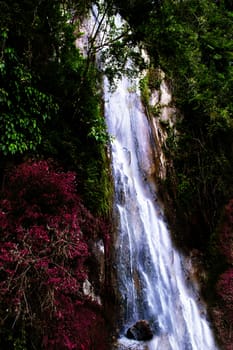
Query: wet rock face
x=140 y=331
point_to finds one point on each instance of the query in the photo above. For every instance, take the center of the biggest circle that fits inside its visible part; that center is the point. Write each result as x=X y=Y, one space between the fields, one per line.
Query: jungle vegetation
x=55 y=181
x=50 y=110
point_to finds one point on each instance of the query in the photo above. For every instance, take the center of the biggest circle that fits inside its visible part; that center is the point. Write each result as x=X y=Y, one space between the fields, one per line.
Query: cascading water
x=151 y=278
x=150 y=273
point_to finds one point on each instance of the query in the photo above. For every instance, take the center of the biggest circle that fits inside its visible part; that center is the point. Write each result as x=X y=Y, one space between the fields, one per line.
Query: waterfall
x=150 y=272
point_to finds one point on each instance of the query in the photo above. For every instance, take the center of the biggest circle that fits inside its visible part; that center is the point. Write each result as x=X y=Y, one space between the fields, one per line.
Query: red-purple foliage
x=225 y=290
x=226 y=234
x=224 y=320
x=90 y=331
x=44 y=228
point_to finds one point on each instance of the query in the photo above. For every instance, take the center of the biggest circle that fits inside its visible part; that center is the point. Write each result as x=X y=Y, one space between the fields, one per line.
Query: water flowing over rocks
x=140 y=331
x=150 y=272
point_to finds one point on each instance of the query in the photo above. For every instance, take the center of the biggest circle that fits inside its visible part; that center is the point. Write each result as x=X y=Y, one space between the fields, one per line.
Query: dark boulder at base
x=140 y=331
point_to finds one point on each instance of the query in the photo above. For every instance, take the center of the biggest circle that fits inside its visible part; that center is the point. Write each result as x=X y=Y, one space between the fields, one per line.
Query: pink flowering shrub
x=223 y=314
x=225 y=290
x=224 y=318
x=44 y=232
x=88 y=324
x=226 y=234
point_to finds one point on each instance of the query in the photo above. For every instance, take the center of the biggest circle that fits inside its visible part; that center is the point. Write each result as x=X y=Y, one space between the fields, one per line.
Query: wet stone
x=140 y=331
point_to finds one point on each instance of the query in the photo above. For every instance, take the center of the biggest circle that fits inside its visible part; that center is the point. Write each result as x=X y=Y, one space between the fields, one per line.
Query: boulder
x=140 y=331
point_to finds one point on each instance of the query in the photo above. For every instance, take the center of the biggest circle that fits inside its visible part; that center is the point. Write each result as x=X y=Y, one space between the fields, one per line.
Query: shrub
x=43 y=252
x=225 y=290
x=226 y=235
x=224 y=318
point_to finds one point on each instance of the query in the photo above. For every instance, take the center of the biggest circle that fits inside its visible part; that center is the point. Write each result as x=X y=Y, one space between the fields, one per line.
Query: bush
x=43 y=252
x=226 y=233
x=225 y=290
x=223 y=314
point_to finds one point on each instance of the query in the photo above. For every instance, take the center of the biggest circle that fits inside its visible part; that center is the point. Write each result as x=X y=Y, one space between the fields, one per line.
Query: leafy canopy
x=24 y=108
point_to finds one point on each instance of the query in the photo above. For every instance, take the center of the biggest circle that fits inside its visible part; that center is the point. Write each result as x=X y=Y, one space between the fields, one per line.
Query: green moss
x=145 y=91
x=148 y=84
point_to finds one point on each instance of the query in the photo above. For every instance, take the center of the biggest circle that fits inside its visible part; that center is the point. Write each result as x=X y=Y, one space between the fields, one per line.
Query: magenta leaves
x=224 y=286
x=226 y=235
x=44 y=232
x=225 y=289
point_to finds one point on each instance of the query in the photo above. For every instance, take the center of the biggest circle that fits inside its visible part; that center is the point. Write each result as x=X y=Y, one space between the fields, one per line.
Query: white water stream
x=150 y=273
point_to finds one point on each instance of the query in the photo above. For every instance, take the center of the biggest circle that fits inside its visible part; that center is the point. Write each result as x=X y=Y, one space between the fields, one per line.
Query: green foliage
x=78 y=135
x=113 y=41
x=50 y=94
x=20 y=343
x=23 y=107
x=136 y=11
x=145 y=91
x=98 y=130
x=148 y=84
x=15 y=341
